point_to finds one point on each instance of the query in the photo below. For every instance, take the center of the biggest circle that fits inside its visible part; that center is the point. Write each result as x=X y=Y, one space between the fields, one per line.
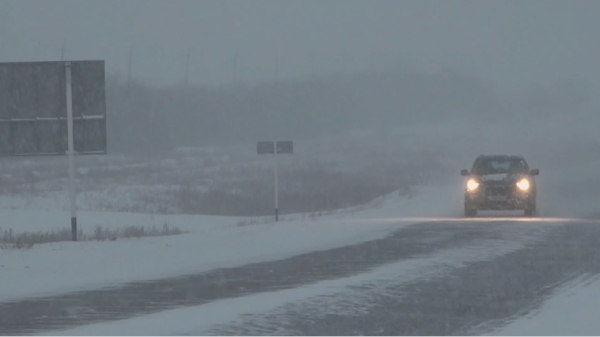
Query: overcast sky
x=515 y=43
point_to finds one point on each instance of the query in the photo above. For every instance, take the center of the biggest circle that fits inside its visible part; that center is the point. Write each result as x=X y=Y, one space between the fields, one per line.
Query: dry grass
x=26 y=240
x=403 y=192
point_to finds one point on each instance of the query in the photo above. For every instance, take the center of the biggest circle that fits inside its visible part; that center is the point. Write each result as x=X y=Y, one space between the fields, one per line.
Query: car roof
x=500 y=156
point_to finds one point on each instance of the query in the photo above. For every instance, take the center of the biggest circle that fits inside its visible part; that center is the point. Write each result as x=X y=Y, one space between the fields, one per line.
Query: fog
x=375 y=84
x=513 y=43
x=308 y=108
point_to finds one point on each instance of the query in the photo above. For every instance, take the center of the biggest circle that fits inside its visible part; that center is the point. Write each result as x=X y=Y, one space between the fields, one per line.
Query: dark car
x=500 y=182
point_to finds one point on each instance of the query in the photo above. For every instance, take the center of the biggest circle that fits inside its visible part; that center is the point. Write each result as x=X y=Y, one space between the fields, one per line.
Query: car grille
x=496 y=188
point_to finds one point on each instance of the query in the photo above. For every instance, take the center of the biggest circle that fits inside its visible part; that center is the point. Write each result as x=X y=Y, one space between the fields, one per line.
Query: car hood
x=499 y=177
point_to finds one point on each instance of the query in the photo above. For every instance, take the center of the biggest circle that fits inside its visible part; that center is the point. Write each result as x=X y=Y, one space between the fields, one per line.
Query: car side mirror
x=534 y=172
x=464 y=173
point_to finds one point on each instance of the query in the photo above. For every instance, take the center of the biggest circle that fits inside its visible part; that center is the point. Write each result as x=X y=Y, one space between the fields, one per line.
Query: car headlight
x=523 y=184
x=472 y=185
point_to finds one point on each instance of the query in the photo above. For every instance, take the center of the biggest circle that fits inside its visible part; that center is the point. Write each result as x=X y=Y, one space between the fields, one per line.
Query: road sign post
x=275 y=148
x=53 y=108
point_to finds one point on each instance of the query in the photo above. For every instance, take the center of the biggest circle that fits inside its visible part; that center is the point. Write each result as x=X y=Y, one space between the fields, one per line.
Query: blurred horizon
x=304 y=69
x=514 y=44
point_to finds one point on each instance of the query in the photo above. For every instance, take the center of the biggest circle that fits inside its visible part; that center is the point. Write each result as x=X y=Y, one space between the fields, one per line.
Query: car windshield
x=499 y=165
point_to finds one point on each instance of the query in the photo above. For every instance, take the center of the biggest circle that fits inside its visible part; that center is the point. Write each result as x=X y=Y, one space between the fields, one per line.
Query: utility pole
x=129 y=68
x=371 y=65
x=345 y=61
x=276 y=68
x=313 y=63
x=187 y=67
x=63 y=50
x=235 y=64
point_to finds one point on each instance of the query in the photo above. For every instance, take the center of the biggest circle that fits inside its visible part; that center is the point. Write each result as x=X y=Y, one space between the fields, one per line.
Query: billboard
x=33 y=108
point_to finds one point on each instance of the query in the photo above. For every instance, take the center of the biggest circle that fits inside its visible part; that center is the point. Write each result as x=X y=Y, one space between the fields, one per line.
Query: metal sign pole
x=71 y=152
x=276 y=184
x=275 y=148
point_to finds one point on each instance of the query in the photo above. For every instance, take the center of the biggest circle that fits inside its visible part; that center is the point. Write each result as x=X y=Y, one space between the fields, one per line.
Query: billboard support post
x=71 y=151
x=54 y=108
x=276 y=183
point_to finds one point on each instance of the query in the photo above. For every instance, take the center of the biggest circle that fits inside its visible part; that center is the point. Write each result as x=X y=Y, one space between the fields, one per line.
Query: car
x=500 y=182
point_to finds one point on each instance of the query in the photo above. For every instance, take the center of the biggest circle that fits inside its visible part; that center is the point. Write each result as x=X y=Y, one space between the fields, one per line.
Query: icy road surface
x=430 y=278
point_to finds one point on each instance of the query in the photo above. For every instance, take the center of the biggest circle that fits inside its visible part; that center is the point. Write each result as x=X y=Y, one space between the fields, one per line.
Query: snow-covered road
x=429 y=278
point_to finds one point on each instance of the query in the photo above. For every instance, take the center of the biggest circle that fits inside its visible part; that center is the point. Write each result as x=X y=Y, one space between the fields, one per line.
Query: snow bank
x=213 y=242
x=572 y=311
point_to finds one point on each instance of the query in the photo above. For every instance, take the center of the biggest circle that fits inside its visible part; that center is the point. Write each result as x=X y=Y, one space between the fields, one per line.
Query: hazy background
x=514 y=43
x=378 y=96
x=301 y=69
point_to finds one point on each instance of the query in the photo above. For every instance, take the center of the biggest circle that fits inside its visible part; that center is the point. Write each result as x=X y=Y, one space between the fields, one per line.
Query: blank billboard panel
x=33 y=108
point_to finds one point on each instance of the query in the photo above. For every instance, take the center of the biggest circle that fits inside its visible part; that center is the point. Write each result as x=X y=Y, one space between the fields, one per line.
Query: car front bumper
x=514 y=200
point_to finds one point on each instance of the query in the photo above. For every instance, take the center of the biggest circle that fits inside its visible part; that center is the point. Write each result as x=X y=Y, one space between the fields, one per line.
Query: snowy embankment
x=212 y=242
x=571 y=311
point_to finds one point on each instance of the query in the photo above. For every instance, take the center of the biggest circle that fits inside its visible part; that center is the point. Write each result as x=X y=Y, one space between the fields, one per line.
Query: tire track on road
x=474 y=299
